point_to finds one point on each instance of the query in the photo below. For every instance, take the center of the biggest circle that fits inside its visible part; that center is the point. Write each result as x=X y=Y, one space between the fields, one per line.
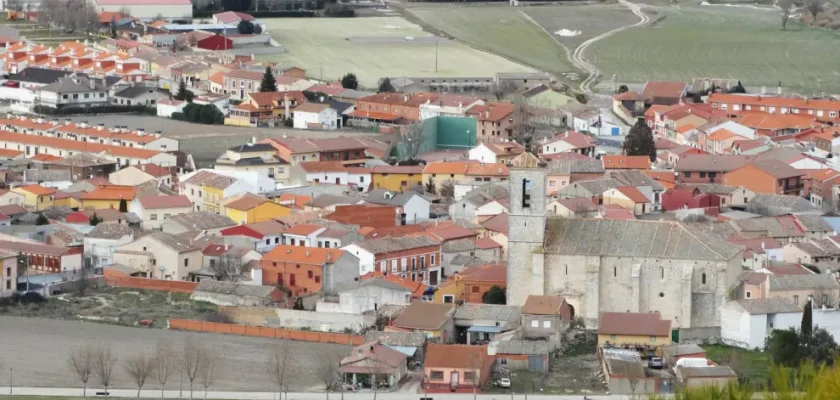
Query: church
x=602 y=265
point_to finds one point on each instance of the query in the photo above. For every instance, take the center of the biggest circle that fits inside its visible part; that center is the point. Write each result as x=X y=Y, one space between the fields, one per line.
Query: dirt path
x=581 y=62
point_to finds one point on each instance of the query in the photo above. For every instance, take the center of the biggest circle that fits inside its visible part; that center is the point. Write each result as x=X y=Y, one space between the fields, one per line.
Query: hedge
x=110 y=109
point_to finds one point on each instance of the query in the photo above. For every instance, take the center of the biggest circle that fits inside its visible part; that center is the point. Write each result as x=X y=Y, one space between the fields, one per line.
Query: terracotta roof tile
x=633 y=324
x=302 y=255
x=111 y=192
x=626 y=162
x=543 y=305
x=173 y=201
x=37 y=190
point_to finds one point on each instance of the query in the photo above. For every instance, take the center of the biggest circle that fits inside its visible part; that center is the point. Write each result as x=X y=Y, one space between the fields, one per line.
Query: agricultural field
x=377 y=47
x=501 y=30
x=723 y=42
x=587 y=21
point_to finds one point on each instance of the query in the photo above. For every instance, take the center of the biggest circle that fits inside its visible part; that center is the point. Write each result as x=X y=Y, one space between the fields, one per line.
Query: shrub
x=111 y=109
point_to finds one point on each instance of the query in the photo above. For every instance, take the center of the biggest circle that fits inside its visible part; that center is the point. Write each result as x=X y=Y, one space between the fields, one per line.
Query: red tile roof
x=633 y=194
x=303 y=255
x=491 y=111
x=418 y=289
x=37 y=190
x=173 y=201
x=397 y=169
x=303 y=229
x=633 y=324
x=485 y=273
x=112 y=192
x=626 y=162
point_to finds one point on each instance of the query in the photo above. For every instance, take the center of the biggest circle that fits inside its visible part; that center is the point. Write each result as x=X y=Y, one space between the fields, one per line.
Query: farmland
x=723 y=42
x=376 y=47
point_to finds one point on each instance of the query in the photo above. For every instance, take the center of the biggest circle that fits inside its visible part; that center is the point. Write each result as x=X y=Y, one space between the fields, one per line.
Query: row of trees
x=196 y=361
x=71 y=15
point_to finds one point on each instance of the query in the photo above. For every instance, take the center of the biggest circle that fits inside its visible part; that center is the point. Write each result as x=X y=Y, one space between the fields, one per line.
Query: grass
x=320 y=43
x=723 y=42
x=501 y=30
x=749 y=364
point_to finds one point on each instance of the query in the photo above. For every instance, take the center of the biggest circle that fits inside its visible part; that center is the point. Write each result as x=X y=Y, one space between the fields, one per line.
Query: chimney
x=83 y=124
x=286 y=104
x=67 y=121
x=141 y=131
x=92 y=83
x=100 y=127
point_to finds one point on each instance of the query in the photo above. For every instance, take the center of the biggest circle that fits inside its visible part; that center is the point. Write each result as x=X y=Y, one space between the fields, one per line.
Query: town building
x=307 y=270
x=416 y=258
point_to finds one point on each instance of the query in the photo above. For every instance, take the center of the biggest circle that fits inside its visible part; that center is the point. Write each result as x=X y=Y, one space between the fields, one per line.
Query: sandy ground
x=37 y=350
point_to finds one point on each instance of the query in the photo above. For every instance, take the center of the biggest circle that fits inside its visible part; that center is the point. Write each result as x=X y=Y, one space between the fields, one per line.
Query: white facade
x=327 y=118
x=491 y=208
x=8 y=276
x=148 y=10
x=735 y=128
x=333 y=177
x=102 y=250
x=166 y=109
x=742 y=329
x=482 y=153
x=362 y=180
x=369 y=297
x=416 y=210
x=163 y=143
x=431 y=110
x=366 y=258
x=10 y=198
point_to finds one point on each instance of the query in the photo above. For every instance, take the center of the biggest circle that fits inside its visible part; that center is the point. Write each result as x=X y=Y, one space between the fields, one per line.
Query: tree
x=245 y=27
x=23 y=268
x=814 y=7
x=807 y=327
x=495 y=295
x=447 y=191
x=501 y=89
x=81 y=362
x=268 y=84
x=783 y=347
x=431 y=188
x=94 y=220
x=207 y=374
x=639 y=141
x=227 y=268
x=184 y=94
x=194 y=359
x=786 y=7
x=411 y=138
x=327 y=371
x=524 y=124
x=165 y=363
x=386 y=87
x=140 y=368
x=623 y=89
x=349 y=81
x=104 y=362
x=42 y=220
x=113 y=27
x=819 y=347
x=739 y=88
x=282 y=367
x=581 y=98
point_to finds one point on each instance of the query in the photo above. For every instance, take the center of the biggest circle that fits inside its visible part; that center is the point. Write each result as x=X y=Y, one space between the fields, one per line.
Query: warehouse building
x=148 y=9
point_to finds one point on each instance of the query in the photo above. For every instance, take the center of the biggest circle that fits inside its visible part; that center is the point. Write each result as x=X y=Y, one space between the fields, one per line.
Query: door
x=535 y=363
x=292 y=280
x=280 y=279
x=453 y=380
x=615 y=131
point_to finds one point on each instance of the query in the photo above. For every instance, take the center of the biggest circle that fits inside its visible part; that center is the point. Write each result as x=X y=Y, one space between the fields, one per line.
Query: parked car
x=656 y=363
x=503 y=382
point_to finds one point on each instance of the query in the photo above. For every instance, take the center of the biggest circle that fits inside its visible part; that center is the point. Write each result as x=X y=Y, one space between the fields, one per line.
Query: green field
x=749 y=364
x=316 y=43
x=723 y=42
x=501 y=30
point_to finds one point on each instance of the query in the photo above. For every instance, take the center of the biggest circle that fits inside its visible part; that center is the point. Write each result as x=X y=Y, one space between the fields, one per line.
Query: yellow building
x=109 y=196
x=634 y=330
x=63 y=199
x=249 y=208
x=396 y=178
x=212 y=198
x=442 y=172
x=36 y=197
x=255 y=157
x=451 y=291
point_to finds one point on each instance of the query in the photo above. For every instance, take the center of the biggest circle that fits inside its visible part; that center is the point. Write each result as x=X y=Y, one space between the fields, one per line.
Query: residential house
x=154 y=210
x=396 y=178
x=136 y=175
x=494 y=122
x=815 y=226
x=304 y=235
x=730 y=196
x=529 y=355
x=367 y=295
x=767 y=176
x=160 y=255
x=266 y=235
x=747 y=323
x=259 y=157
x=329 y=202
x=109 y=196
x=562 y=172
x=480 y=323
x=633 y=329
x=707 y=168
x=36 y=197
x=760 y=253
x=482 y=173
x=391 y=107
x=545 y=316
x=264 y=108
x=294 y=150
x=74 y=92
x=411 y=207
x=544 y=96
x=8 y=273
x=630 y=105
x=811 y=252
x=688 y=197
x=478 y=280
x=306 y=270
x=496 y=152
x=467 y=206
x=373 y=365
x=455 y=367
x=100 y=243
x=573 y=208
x=570 y=142
x=410 y=343
x=780 y=204
x=822 y=289
x=432 y=319
x=628 y=197
x=43 y=258
x=249 y=208
x=207 y=190
x=701 y=377
x=412 y=257
x=448 y=105
x=205 y=221
x=83 y=166
x=9 y=197
x=317 y=116
x=783 y=228
x=626 y=162
x=237 y=294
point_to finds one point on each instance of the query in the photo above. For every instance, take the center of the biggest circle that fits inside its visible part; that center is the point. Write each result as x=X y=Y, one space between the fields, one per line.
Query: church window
x=703 y=278
x=662 y=272
x=615 y=271
x=526 y=193
x=567 y=269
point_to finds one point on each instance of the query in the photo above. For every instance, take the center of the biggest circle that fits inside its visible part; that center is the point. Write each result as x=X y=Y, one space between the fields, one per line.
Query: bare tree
x=327 y=371
x=207 y=372
x=165 y=363
x=814 y=7
x=194 y=359
x=786 y=7
x=524 y=124
x=104 y=362
x=81 y=361
x=501 y=89
x=447 y=191
x=476 y=364
x=228 y=268
x=140 y=368
x=411 y=137
x=825 y=298
x=283 y=367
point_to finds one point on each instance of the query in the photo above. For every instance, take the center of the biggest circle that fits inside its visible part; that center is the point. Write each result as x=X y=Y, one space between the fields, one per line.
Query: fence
x=260 y=331
x=151 y=284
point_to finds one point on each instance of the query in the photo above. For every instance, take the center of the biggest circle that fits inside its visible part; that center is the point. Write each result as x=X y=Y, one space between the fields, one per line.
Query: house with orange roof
x=446 y=171
x=418 y=289
x=630 y=198
x=626 y=162
x=822 y=183
x=265 y=107
x=768 y=176
x=470 y=285
x=293 y=201
x=390 y=107
x=494 y=122
x=570 y=142
x=396 y=178
x=307 y=270
x=499 y=152
x=36 y=197
x=824 y=110
x=482 y=173
x=249 y=208
x=109 y=196
x=630 y=105
x=777 y=125
x=416 y=258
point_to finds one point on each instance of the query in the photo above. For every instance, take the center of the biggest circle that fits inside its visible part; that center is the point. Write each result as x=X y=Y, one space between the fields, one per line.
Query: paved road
x=368 y=395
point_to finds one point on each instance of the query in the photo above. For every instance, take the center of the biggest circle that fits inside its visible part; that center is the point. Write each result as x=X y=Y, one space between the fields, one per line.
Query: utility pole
x=437 y=41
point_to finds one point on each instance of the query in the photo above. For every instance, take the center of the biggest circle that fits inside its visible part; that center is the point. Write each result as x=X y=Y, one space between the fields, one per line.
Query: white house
x=448 y=105
x=9 y=197
x=366 y=295
x=165 y=107
x=154 y=210
x=316 y=116
x=103 y=240
x=360 y=177
x=74 y=91
x=412 y=207
x=570 y=142
x=746 y=323
x=303 y=235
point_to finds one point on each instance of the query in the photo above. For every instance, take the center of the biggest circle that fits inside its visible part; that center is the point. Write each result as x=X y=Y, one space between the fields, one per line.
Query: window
x=436 y=376
x=749 y=294
x=276 y=240
x=503 y=361
x=447 y=298
x=653 y=339
x=317 y=279
x=153 y=217
x=432 y=260
x=268 y=241
x=687 y=174
x=382 y=266
x=309 y=274
x=546 y=324
x=469 y=376
x=703 y=278
x=796 y=299
x=476 y=289
x=702 y=174
x=186 y=262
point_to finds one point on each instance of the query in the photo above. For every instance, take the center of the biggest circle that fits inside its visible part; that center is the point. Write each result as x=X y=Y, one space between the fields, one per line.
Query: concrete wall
x=342 y=272
x=621 y=385
x=298 y=319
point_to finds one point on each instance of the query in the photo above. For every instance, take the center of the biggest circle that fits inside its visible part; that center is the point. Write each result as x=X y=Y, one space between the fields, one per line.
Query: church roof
x=624 y=238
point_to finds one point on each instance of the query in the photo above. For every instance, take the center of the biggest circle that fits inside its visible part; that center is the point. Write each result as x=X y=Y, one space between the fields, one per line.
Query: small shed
x=237 y=294
x=528 y=355
x=411 y=344
x=674 y=353
x=694 y=377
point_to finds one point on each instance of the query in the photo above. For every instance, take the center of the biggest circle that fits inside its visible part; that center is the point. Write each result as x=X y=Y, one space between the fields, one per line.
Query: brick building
x=306 y=270
x=416 y=258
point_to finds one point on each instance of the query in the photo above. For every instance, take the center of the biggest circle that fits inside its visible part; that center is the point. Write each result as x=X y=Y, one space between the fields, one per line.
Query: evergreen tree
x=245 y=27
x=431 y=188
x=350 y=81
x=639 y=141
x=807 y=320
x=42 y=220
x=94 y=220
x=386 y=86
x=183 y=93
x=738 y=88
x=268 y=84
x=113 y=27
x=623 y=89
x=495 y=295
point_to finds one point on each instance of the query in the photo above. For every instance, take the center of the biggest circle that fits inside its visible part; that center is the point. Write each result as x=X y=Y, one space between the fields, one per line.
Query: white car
x=504 y=382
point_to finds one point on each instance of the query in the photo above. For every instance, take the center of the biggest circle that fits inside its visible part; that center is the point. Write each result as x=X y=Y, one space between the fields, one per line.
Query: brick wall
x=151 y=284
x=277 y=333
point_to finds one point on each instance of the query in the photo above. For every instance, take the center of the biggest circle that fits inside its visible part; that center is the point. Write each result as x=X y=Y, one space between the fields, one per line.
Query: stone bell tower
x=526 y=233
